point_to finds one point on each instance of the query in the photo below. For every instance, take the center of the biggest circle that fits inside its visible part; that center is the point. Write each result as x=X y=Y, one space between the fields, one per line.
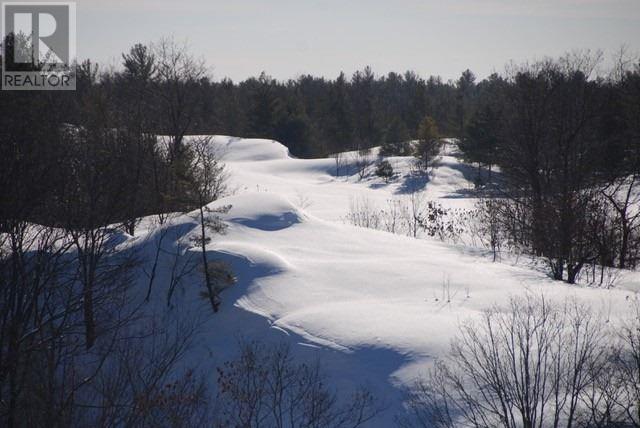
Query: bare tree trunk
x=215 y=304
x=89 y=318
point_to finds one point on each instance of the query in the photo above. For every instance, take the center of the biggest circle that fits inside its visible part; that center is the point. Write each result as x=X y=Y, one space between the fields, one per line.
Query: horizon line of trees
x=312 y=116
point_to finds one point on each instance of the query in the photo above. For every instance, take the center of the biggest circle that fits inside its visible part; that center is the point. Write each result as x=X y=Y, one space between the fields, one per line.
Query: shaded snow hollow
x=372 y=306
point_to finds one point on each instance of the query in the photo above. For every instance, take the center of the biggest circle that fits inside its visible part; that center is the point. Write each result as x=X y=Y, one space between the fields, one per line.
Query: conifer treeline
x=315 y=116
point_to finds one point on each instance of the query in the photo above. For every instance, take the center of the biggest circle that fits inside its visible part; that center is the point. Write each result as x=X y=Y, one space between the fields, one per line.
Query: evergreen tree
x=481 y=142
x=428 y=144
x=395 y=140
x=465 y=94
x=384 y=170
x=340 y=128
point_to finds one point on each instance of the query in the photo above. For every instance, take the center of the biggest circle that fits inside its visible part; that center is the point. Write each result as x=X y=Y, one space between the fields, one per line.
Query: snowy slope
x=371 y=305
x=265 y=166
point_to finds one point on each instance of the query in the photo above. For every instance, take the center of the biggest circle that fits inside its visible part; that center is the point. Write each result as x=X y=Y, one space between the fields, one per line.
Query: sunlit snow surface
x=373 y=307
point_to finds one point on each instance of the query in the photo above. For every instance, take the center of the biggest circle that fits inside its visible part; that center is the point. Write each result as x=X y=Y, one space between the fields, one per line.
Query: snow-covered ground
x=373 y=307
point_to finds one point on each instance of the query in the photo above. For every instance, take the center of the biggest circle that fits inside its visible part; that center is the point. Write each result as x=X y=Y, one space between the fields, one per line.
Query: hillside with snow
x=373 y=307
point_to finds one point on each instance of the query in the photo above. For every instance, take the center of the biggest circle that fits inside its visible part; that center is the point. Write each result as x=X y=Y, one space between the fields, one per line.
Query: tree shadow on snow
x=269 y=222
x=487 y=188
x=376 y=186
x=413 y=182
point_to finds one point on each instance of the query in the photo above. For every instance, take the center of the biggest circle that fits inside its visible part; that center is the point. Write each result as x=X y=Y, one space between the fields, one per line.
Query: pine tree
x=384 y=170
x=428 y=144
x=395 y=142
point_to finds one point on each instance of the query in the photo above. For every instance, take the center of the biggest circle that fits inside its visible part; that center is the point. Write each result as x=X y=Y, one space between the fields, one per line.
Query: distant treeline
x=313 y=116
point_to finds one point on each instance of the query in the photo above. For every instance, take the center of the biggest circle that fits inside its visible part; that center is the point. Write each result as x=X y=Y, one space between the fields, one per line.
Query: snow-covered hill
x=374 y=307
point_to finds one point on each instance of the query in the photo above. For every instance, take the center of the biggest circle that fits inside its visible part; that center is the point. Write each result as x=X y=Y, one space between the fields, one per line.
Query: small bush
x=384 y=170
x=397 y=148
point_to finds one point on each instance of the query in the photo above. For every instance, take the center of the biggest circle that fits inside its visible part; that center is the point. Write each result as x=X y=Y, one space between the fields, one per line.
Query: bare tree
x=624 y=196
x=548 y=148
x=392 y=216
x=488 y=225
x=526 y=365
x=32 y=266
x=45 y=354
x=209 y=185
x=415 y=212
x=177 y=71
x=144 y=384
x=363 y=213
x=264 y=387
x=627 y=375
x=339 y=162
x=362 y=160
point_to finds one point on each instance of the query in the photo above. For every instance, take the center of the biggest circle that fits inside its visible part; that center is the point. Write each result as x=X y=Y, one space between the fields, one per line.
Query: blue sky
x=287 y=38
